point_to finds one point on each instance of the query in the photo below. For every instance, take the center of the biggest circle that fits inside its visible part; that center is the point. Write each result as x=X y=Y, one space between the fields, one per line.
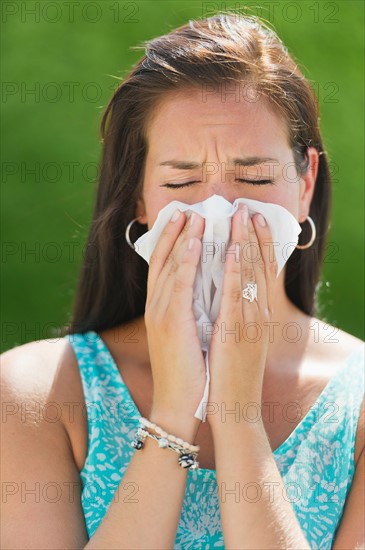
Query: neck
x=289 y=328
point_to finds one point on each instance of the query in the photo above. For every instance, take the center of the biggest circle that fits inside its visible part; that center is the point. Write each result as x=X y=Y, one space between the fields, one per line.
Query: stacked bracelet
x=170 y=437
x=188 y=453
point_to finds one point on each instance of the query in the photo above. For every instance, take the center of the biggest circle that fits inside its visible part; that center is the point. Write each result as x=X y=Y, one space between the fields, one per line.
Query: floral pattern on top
x=316 y=462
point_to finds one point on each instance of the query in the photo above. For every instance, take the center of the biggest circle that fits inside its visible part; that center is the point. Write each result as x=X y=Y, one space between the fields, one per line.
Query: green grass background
x=55 y=131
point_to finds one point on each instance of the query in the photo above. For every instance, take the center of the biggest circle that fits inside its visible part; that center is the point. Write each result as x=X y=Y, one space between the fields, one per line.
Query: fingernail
x=261 y=220
x=175 y=216
x=192 y=218
x=191 y=243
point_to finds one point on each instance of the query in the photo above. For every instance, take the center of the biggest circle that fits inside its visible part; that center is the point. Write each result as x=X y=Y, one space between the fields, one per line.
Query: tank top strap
x=317 y=461
x=106 y=396
x=341 y=404
x=334 y=416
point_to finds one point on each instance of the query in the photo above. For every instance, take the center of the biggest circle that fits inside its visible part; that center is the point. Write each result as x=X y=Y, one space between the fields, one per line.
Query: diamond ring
x=250 y=292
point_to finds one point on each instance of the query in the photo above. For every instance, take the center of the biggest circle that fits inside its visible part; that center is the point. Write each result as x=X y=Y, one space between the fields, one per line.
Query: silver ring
x=250 y=292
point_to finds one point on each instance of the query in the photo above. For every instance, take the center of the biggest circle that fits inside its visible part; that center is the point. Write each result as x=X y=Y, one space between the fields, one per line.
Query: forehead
x=189 y=118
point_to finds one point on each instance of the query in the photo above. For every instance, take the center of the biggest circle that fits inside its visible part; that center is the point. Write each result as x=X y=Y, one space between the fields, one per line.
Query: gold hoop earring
x=127 y=230
x=312 y=239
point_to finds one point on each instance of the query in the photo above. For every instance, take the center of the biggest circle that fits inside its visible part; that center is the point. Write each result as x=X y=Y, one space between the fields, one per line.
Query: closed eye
x=252 y=182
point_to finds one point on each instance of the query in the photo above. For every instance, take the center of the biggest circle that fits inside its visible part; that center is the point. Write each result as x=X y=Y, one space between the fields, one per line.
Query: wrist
x=181 y=426
x=243 y=428
x=235 y=410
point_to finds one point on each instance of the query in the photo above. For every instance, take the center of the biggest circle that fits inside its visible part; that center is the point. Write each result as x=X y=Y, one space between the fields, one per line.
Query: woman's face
x=208 y=135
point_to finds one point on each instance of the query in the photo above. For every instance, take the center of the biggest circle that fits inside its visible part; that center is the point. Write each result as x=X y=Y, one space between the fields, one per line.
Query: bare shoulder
x=43 y=375
x=33 y=369
x=37 y=451
x=330 y=344
x=324 y=351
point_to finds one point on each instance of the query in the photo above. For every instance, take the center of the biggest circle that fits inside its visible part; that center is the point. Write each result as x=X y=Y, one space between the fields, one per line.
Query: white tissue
x=218 y=213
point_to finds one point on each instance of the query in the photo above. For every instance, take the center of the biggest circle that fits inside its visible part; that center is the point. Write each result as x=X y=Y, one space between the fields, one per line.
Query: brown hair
x=224 y=47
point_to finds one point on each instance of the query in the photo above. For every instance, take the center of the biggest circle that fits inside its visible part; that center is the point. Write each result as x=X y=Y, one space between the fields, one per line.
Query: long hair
x=225 y=47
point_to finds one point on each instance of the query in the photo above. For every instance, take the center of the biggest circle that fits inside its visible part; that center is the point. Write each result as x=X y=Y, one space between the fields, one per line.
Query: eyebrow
x=237 y=161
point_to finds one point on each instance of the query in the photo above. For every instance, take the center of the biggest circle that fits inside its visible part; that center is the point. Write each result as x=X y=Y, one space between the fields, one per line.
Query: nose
x=221 y=189
x=219 y=179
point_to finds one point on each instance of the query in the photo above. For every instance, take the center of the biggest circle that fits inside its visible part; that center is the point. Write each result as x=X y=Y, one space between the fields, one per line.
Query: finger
x=271 y=267
x=243 y=230
x=179 y=292
x=231 y=305
x=161 y=252
x=164 y=283
x=258 y=265
x=170 y=273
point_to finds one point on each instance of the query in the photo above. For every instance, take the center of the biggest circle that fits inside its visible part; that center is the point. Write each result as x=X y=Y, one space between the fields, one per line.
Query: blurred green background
x=59 y=60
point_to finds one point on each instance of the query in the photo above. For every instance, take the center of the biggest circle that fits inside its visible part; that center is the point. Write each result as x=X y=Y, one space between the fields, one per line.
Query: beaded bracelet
x=170 y=437
x=186 y=460
x=188 y=453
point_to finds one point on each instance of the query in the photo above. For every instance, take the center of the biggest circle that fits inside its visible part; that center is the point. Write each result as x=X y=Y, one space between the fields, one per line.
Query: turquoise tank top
x=316 y=461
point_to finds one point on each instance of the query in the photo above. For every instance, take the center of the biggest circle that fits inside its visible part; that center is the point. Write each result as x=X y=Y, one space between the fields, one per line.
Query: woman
x=205 y=94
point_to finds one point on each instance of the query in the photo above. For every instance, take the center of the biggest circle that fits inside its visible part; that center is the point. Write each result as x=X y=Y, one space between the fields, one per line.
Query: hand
x=177 y=362
x=237 y=360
